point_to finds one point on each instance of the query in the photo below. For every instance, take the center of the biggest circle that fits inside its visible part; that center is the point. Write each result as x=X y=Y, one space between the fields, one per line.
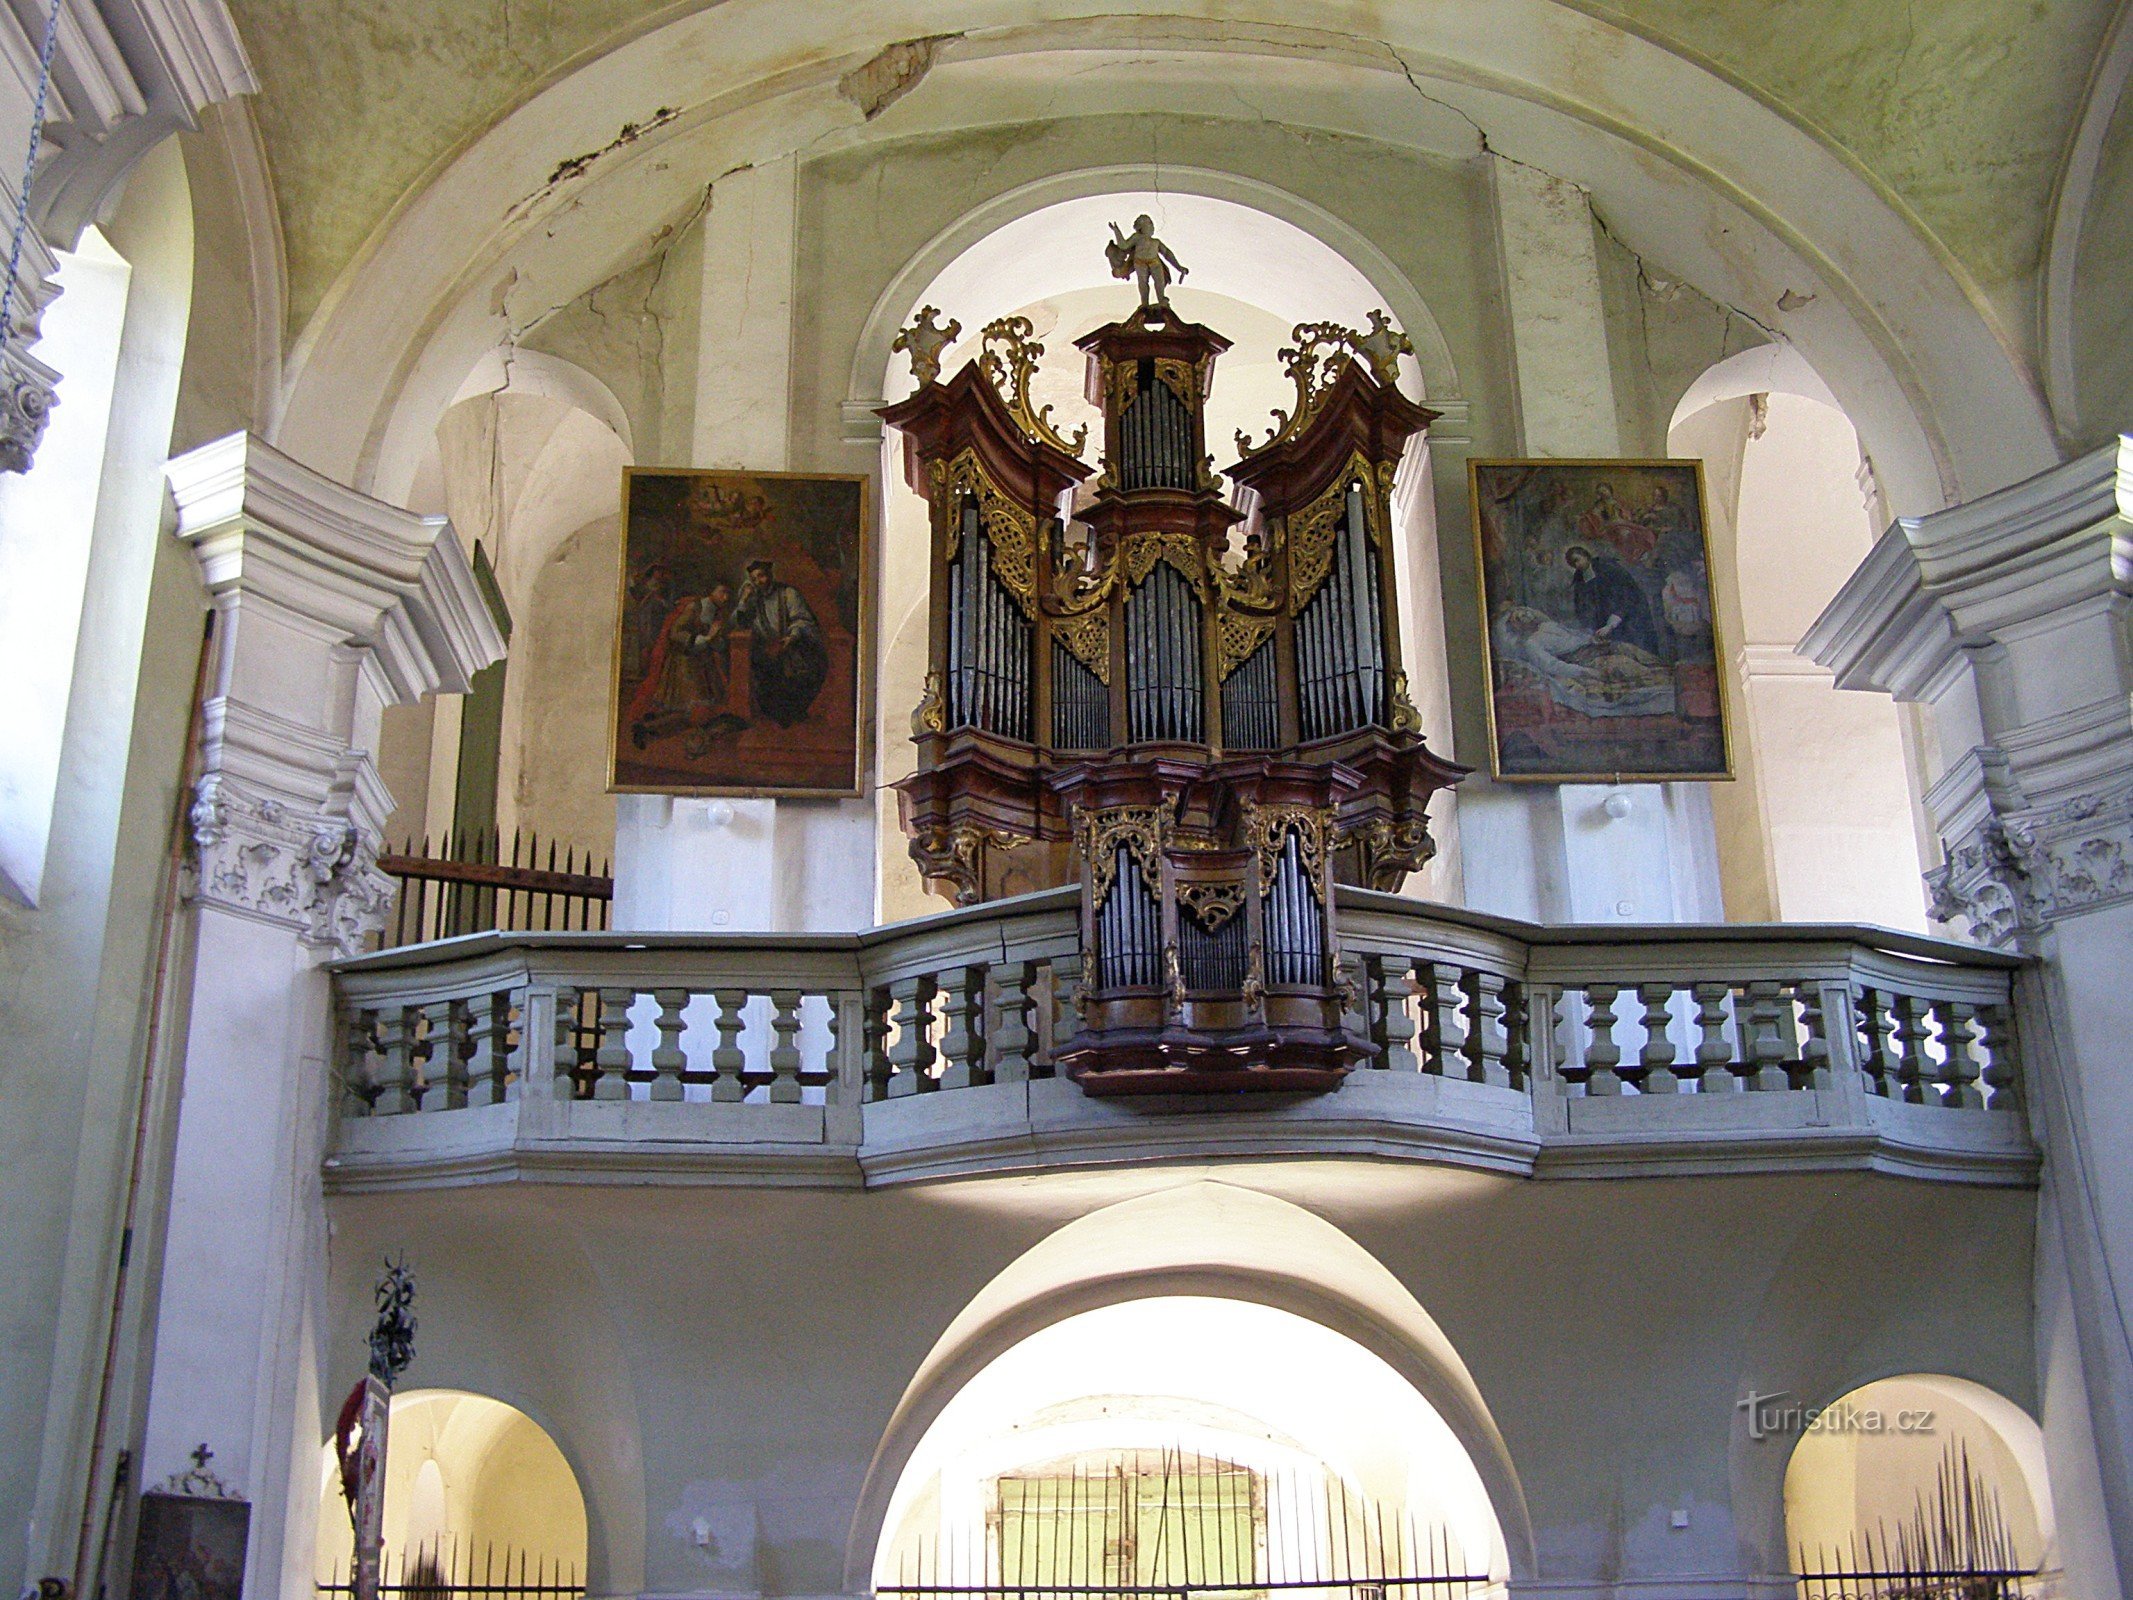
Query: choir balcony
x=924 y=1050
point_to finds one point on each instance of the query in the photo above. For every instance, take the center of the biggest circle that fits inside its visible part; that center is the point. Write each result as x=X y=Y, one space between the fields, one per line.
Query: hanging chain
x=29 y=168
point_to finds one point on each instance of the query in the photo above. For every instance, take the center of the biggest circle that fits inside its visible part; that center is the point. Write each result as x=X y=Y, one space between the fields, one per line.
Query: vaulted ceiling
x=1961 y=110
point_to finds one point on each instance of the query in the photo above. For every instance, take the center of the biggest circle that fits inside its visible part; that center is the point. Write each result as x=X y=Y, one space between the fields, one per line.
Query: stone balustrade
x=925 y=1050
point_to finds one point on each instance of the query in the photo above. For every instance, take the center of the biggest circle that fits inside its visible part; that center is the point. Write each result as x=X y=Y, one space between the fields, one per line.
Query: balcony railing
x=925 y=1049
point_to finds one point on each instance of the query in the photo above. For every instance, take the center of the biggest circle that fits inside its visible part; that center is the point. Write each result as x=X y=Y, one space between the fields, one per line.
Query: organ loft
x=1180 y=690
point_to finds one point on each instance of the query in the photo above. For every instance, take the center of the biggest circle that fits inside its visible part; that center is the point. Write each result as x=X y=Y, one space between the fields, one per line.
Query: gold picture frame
x=1603 y=655
x=734 y=681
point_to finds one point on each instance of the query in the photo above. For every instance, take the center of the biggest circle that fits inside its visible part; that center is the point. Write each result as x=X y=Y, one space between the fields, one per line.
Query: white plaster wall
x=690 y=1371
x=77 y=966
x=1825 y=770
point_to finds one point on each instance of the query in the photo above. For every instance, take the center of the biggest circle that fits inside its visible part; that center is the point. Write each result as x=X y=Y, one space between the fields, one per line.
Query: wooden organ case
x=1196 y=711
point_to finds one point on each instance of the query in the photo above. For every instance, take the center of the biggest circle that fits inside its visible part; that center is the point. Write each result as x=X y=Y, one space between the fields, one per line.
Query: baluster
x=911 y=1055
x=874 y=1046
x=396 y=1068
x=1815 y=1070
x=612 y=1060
x=785 y=1047
x=1602 y=1055
x=1443 y=1025
x=1392 y=1026
x=728 y=1060
x=962 y=1046
x=1656 y=1060
x=488 y=1020
x=841 y=1069
x=1517 y=1061
x=1960 y=1072
x=1013 y=994
x=1487 y=1042
x=358 y=1039
x=1765 y=1050
x=446 y=1076
x=1914 y=1079
x=1714 y=1054
x=669 y=1060
x=1066 y=1009
x=1883 y=1070
x=2003 y=1066
x=565 y=1055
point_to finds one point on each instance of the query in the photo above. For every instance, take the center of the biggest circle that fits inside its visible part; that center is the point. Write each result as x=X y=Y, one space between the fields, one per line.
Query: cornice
x=2016 y=557
x=265 y=526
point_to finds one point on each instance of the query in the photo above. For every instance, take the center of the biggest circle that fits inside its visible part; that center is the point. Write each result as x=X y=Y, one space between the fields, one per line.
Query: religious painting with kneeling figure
x=740 y=663
x=1597 y=620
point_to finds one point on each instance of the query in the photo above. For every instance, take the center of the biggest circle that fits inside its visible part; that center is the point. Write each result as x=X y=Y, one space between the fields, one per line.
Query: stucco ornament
x=925 y=341
x=27 y=395
x=2018 y=873
x=1144 y=258
x=261 y=858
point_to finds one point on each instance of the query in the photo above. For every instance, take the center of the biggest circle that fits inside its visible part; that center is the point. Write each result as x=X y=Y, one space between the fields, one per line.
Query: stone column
x=329 y=607
x=2007 y=619
x=1574 y=852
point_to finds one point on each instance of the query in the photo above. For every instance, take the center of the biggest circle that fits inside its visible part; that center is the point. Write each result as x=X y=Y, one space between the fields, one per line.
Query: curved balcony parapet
x=923 y=1050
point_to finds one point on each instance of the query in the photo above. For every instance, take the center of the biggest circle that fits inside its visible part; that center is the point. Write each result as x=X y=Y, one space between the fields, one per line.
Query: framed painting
x=1597 y=621
x=190 y=1547
x=740 y=636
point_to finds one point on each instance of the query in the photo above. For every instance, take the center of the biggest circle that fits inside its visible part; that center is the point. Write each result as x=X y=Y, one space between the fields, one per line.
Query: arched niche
x=1259 y=262
x=1206 y=1241
x=527 y=461
x=1793 y=508
x=1873 y=1461
x=469 y=1480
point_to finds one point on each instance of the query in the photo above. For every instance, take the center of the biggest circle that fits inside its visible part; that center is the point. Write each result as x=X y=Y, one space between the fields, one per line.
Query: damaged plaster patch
x=879 y=83
x=578 y=165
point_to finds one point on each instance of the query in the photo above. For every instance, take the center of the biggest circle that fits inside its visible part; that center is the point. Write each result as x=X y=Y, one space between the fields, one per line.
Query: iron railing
x=466 y=885
x=449 y=1570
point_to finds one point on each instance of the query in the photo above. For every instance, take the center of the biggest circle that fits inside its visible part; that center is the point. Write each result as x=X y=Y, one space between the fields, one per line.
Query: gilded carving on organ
x=1205 y=700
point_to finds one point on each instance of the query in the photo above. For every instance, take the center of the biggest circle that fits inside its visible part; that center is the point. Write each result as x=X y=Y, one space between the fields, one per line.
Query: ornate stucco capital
x=28 y=391
x=330 y=606
x=311 y=872
x=2018 y=873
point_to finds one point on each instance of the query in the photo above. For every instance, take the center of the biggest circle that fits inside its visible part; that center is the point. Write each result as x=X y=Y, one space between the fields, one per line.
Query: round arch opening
x=1252 y=275
x=1921 y=1470
x=1183 y=1440
x=472 y=1486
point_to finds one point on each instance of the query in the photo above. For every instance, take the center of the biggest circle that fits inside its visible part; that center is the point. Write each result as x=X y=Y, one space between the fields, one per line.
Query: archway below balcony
x=476 y=1494
x=1919 y=1471
x=1260 y=261
x=1171 y=1340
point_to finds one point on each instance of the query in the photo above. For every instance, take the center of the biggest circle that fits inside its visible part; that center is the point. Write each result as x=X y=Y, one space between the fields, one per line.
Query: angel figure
x=1144 y=258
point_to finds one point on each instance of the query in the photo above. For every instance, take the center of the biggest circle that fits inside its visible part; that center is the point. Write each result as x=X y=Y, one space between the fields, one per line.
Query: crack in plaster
x=1665 y=287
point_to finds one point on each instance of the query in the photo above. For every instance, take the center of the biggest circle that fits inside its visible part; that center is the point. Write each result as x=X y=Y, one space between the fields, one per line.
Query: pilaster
x=125 y=75
x=1574 y=852
x=329 y=606
x=2007 y=618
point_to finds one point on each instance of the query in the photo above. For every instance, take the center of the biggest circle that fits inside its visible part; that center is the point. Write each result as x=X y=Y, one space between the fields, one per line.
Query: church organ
x=1187 y=700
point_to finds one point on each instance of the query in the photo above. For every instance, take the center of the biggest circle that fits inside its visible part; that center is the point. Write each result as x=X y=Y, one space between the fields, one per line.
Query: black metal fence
x=1956 y=1546
x=451 y=1571
x=470 y=884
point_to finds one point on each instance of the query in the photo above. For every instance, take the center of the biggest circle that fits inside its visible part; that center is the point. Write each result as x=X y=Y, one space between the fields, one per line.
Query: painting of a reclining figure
x=1597 y=615
x=739 y=659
